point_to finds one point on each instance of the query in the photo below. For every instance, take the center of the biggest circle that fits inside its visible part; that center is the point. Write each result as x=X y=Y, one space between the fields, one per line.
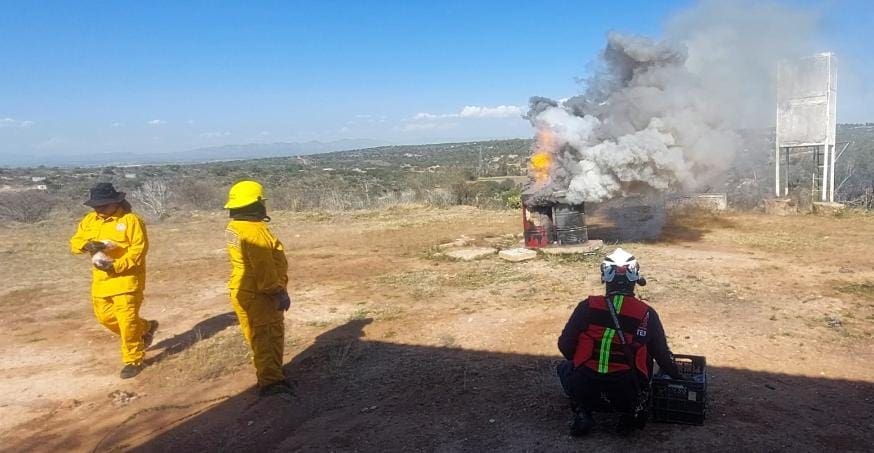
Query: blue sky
x=97 y=77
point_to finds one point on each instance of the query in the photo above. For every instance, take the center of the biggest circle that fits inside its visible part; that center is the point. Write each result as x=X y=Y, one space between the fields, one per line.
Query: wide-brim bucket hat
x=103 y=194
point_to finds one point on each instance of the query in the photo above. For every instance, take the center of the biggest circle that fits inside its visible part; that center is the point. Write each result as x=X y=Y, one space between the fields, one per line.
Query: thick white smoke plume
x=662 y=116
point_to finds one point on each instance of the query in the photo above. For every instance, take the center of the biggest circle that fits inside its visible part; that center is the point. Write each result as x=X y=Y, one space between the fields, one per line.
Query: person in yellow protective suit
x=116 y=239
x=258 y=283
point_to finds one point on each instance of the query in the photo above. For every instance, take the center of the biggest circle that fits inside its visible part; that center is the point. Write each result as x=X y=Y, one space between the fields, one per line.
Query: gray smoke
x=659 y=116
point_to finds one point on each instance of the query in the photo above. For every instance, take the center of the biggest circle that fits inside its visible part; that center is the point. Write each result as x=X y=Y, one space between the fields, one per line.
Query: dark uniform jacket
x=590 y=340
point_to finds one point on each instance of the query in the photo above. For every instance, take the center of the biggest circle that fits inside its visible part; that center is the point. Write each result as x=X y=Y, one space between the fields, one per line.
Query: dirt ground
x=395 y=348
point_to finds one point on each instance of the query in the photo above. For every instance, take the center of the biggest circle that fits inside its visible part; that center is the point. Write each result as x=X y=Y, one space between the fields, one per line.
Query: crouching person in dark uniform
x=610 y=368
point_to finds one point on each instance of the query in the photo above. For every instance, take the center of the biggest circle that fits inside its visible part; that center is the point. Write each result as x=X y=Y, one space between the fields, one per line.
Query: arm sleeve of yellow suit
x=78 y=241
x=135 y=255
x=259 y=255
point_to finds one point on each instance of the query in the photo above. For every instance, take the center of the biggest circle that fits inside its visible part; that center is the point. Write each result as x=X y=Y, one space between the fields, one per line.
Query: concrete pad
x=589 y=246
x=463 y=241
x=824 y=208
x=471 y=253
x=516 y=255
x=703 y=201
x=780 y=206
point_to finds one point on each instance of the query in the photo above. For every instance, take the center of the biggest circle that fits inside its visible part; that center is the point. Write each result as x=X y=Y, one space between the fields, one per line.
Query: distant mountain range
x=214 y=153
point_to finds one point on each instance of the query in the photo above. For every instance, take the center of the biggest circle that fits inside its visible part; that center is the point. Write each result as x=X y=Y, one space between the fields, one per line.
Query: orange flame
x=541 y=161
x=540 y=164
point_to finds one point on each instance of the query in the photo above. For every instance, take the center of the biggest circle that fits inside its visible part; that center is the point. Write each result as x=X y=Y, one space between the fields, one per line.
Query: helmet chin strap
x=620 y=286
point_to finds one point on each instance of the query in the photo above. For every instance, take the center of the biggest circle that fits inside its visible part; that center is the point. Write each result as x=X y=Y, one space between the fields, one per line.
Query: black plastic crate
x=684 y=400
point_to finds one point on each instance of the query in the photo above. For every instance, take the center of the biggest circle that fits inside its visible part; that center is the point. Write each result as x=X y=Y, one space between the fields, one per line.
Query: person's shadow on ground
x=360 y=394
x=201 y=331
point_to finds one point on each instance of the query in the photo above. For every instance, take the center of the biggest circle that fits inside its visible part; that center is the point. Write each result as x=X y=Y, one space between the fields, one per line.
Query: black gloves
x=282 y=299
x=93 y=247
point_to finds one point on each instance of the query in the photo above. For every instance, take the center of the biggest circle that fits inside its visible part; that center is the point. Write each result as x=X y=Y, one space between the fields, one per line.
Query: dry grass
x=446 y=340
x=575 y=259
x=701 y=217
x=339 y=355
x=389 y=313
x=435 y=253
x=205 y=360
x=487 y=273
x=774 y=241
x=857 y=316
x=359 y=314
x=22 y=296
x=863 y=289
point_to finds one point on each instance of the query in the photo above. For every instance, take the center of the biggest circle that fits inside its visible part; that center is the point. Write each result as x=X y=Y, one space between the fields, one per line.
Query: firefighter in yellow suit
x=258 y=282
x=116 y=239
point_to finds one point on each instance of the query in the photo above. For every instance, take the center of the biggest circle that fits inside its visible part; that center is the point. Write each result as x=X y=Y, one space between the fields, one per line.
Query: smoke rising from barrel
x=663 y=115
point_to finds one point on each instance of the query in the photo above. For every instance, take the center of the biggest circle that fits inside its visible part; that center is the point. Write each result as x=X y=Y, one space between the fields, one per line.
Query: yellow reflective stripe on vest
x=607 y=339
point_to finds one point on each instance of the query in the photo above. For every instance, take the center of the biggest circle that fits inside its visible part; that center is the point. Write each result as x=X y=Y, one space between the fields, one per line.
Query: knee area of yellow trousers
x=267 y=354
x=106 y=319
x=267 y=331
x=103 y=312
x=268 y=336
x=267 y=347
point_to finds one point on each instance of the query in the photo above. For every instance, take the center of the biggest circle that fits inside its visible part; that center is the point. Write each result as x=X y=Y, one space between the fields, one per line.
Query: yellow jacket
x=257 y=258
x=128 y=232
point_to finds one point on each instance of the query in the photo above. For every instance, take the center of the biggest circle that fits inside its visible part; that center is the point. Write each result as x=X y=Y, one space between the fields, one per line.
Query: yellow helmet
x=244 y=193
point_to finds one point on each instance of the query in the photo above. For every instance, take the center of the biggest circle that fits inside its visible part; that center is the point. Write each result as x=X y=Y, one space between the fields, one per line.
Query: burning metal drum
x=554 y=222
x=570 y=224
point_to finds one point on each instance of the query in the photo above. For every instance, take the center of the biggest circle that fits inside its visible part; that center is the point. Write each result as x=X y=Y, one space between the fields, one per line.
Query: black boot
x=277 y=388
x=149 y=336
x=629 y=423
x=582 y=423
x=130 y=370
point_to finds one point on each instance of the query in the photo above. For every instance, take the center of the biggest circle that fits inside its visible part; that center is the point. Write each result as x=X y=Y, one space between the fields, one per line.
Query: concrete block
x=463 y=241
x=780 y=206
x=705 y=201
x=823 y=208
x=471 y=253
x=516 y=255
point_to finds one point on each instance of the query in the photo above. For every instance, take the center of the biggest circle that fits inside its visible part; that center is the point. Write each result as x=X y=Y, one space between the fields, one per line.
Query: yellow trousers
x=264 y=329
x=121 y=315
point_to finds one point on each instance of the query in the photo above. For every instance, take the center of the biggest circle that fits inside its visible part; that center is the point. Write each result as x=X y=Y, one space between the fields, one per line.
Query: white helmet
x=620 y=263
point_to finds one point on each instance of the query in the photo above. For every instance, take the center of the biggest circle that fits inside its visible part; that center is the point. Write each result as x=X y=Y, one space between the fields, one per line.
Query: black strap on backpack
x=629 y=358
